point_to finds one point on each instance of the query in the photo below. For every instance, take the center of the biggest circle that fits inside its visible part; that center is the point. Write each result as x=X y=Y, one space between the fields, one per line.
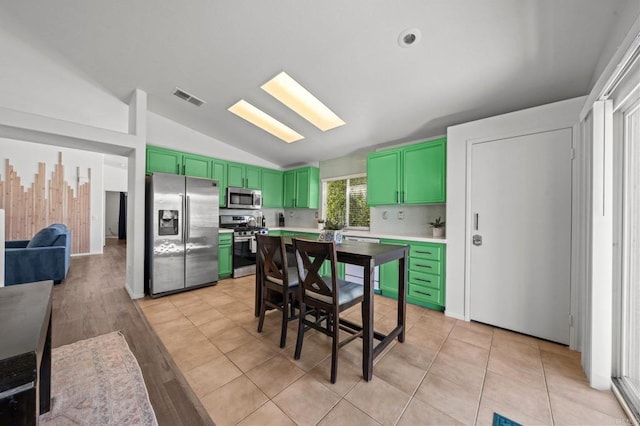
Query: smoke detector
x=185 y=96
x=409 y=37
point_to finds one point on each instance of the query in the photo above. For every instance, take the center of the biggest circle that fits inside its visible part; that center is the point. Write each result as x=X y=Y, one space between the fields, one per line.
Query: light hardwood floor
x=93 y=301
x=447 y=371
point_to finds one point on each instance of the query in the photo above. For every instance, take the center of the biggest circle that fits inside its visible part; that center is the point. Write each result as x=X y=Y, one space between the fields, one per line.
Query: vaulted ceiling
x=473 y=59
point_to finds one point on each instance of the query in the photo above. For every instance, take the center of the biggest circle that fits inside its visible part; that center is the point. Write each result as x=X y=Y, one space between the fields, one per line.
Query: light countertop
x=369 y=234
x=225 y=231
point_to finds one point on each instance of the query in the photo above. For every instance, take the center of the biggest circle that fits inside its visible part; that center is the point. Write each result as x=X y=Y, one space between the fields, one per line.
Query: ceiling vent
x=185 y=96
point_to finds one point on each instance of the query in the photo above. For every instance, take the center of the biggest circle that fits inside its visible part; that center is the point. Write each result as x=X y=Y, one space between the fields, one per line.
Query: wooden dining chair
x=275 y=276
x=326 y=296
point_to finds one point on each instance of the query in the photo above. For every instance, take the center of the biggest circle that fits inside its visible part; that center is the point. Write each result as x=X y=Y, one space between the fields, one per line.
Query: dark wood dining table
x=369 y=255
x=25 y=352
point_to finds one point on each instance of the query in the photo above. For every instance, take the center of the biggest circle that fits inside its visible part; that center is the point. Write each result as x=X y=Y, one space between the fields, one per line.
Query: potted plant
x=320 y=224
x=332 y=231
x=438 y=227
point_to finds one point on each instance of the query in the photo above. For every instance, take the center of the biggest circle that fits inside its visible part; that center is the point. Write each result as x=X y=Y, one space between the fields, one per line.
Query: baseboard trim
x=133 y=295
x=454 y=315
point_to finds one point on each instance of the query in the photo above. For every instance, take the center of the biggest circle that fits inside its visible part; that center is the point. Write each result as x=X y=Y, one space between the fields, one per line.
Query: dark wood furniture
x=275 y=276
x=25 y=352
x=327 y=296
x=370 y=255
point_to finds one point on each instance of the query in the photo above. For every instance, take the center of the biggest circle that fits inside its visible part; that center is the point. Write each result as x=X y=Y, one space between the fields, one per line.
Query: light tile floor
x=446 y=372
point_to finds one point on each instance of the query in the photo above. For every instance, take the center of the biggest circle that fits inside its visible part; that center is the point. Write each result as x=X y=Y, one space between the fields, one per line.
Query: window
x=627 y=351
x=344 y=201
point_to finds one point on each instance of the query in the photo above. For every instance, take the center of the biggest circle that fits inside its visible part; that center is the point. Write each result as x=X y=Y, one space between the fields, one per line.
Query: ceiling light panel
x=264 y=121
x=295 y=96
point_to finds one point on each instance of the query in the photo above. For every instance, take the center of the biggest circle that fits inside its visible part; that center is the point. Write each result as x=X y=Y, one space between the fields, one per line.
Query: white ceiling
x=475 y=59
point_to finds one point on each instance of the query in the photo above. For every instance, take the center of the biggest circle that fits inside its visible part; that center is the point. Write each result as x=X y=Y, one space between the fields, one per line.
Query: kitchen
x=262 y=207
x=246 y=164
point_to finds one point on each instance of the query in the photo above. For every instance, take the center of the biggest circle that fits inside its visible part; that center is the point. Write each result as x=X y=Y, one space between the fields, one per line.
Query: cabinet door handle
x=424 y=294
x=398 y=197
x=184 y=169
x=424 y=281
x=402 y=196
x=423 y=266
x=177 y=169
x=423 y=252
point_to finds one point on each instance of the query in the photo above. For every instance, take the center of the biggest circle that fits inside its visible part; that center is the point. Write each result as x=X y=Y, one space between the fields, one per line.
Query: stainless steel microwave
x=241 y=198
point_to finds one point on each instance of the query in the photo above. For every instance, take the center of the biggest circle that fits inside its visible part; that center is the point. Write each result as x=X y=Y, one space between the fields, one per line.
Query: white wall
x=111 y=213
x=35 y=79
x=25 y=163
x=547 y=117
x=115 y=173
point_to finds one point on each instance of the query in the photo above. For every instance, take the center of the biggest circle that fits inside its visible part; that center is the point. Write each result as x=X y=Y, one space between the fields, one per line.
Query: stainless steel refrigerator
x=181 y=233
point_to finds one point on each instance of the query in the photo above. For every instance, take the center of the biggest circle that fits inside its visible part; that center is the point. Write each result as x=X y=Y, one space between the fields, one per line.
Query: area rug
x=97 y=382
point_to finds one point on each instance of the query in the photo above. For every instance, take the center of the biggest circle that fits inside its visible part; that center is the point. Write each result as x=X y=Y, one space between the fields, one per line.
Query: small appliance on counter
x=245 y=228
x=281 y=220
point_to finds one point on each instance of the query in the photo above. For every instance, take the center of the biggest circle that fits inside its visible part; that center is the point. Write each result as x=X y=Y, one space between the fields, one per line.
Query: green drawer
x=426 y=251
x=426 y=294
x=424 y=265
x=224 y=239
x=427 y=280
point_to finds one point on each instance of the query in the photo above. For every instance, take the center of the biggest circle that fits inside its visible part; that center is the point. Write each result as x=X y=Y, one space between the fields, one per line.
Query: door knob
x=477 y=240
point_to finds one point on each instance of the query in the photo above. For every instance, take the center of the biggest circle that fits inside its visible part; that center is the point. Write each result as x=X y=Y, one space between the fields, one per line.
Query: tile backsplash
x=401 y=220
x=406 y=220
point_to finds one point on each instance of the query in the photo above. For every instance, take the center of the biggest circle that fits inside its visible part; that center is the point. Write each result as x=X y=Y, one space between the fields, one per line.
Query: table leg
x=367 y=323
x=402 y=295
x=258 y=298
x=45 y=373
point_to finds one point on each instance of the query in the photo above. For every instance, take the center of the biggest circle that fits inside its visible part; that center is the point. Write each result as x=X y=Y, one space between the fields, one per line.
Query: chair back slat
x=310 y=256
x=270 y=255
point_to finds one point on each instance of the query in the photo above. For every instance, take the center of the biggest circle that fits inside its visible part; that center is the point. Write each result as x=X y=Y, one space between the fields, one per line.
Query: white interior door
x=520 y=273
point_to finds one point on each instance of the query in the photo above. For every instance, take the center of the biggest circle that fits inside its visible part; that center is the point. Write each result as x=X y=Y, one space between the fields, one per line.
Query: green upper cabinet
x=163 y=160
x=424 y=173
x=196 y=166
x=289 y=192
x=383 y=177
x=301 y=188
x=415 y=174
x=272 y=188
x=243 y=176
x=219 y=173
x=176 y=162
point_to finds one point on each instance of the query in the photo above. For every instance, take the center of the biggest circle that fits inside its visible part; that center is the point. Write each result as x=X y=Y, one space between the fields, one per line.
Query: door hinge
x=573 y=153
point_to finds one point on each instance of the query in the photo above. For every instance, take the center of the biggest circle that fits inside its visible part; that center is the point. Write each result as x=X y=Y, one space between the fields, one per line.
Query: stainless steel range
x=245 y=229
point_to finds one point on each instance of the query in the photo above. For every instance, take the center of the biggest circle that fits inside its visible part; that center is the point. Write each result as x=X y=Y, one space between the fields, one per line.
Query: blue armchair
x=45 y=257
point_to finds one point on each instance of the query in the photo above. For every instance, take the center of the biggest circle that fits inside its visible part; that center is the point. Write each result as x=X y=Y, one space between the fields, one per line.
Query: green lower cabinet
x=225 y=255
x=426 y=274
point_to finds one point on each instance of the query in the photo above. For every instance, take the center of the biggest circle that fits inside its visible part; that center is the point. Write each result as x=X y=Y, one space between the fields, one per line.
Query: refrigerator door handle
x=187 y=217
x=182 y=204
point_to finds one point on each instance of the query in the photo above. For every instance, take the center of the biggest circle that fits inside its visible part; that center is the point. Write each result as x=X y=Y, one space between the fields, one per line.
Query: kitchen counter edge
x=369 y=234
